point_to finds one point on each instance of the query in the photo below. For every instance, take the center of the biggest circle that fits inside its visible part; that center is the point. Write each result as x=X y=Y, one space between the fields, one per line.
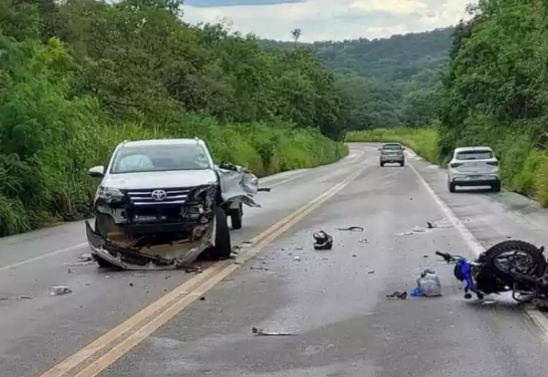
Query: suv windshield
x=149 y=158
x=474 y=155
x=392 y=147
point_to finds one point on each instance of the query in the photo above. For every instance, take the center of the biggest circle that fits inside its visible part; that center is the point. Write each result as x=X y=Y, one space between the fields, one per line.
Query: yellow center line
x=172 y=303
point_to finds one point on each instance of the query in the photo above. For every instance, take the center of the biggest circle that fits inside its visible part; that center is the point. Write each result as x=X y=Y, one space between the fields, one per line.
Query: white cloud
x=334 y=19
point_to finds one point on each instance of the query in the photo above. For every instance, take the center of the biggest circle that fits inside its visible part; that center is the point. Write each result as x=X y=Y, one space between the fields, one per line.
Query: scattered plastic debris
x=25 y=297
x=297 y=259
x=398 y=295
x=285 y=248
x=353 y=229
x=262 y=332
x=323 y=241
x=371 y=272
x=363 y=241
x=59 y=290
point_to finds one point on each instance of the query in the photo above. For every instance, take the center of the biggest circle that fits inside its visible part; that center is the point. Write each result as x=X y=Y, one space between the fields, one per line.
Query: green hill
x=387 y=82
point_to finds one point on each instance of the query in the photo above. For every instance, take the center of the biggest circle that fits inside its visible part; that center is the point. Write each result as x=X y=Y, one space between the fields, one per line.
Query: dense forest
x=79 y=76
x=389 y=82
x=494 y=92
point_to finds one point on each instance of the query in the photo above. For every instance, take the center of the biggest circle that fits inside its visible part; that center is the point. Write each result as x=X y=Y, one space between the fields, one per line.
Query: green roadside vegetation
x=79 y=76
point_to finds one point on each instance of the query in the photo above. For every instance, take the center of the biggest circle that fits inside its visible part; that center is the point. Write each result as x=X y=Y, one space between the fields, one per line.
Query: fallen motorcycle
x=511 y=265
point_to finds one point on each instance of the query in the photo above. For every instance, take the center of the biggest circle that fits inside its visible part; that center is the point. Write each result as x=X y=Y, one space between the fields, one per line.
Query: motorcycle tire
x=514 y=245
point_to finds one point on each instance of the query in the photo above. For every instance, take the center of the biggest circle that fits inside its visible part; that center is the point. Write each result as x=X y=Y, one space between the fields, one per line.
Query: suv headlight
x=109 y=194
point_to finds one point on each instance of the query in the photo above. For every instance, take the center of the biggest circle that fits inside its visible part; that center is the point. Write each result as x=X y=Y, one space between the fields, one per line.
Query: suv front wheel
x=223 y=246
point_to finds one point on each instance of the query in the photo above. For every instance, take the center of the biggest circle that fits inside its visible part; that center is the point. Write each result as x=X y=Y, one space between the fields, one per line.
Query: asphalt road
x=333 y=301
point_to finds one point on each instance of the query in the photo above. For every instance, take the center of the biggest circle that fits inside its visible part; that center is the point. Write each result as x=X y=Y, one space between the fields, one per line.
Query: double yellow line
x=160 y=312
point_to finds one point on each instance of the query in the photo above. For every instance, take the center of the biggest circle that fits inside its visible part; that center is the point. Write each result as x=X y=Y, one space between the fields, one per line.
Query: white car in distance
x=473 y=167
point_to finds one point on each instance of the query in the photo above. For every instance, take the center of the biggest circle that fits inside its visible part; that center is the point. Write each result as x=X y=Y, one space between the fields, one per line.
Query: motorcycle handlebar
x=445 y=256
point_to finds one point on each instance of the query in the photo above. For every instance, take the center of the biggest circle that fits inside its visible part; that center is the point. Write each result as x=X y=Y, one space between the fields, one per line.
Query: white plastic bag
x=429 y=283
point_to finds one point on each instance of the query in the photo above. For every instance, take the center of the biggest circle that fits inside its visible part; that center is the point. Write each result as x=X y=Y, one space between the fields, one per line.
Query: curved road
x=334 y=301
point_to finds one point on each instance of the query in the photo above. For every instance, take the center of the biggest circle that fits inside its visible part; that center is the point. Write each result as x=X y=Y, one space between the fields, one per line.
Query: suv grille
x=158 y=196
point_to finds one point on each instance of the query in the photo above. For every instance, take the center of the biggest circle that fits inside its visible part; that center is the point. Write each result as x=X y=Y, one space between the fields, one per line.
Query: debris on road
x=193 y=269
x=371 y=272
x=25 y=297
x=285 y=248
x=398 y=295
x=202 y=298
x=259 y=268
x=297 y=259
x=363 y=241
x=59 y=290
x=323 y=241
x=83 y=260
x=428 y=284
x=261 y=332
x=443 y=223
x=353 y=229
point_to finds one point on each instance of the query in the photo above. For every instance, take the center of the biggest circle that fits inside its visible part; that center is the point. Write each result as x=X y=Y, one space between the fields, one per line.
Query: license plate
x=474 y=177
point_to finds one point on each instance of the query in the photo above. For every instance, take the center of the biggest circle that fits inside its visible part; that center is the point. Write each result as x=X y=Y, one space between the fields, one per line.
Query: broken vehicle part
x=508 y=266
x=162 y=203
x=353 y=229
x=262 y=332
x=323 y=241
x=59 y=290
x=398 y=295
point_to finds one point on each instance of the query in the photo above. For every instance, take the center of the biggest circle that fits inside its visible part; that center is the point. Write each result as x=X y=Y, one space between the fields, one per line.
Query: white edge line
x=469 y=238
x=43 y=256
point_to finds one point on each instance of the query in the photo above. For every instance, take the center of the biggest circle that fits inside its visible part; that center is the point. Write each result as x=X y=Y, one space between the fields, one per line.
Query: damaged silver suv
x=162 y=203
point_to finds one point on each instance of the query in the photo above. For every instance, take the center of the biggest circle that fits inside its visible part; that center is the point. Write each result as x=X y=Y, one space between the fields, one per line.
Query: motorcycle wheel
x=538 y=266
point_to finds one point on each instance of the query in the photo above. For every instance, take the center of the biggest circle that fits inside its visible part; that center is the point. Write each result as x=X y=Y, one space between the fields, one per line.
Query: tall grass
x=49 y=138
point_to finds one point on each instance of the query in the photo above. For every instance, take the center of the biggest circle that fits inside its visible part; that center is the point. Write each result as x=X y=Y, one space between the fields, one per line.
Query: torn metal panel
x=238 y=184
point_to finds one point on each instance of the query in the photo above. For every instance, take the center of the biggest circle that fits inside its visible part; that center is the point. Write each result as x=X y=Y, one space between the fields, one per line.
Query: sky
x=327 y=19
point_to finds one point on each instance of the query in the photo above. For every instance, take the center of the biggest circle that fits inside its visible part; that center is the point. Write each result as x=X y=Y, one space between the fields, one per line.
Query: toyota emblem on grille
x=159 y=195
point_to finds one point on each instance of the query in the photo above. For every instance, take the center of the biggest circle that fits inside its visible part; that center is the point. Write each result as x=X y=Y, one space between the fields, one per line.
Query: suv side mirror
x=97 y=171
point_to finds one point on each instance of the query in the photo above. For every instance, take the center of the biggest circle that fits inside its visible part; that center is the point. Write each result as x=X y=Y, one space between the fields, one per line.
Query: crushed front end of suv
x=162 y=203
